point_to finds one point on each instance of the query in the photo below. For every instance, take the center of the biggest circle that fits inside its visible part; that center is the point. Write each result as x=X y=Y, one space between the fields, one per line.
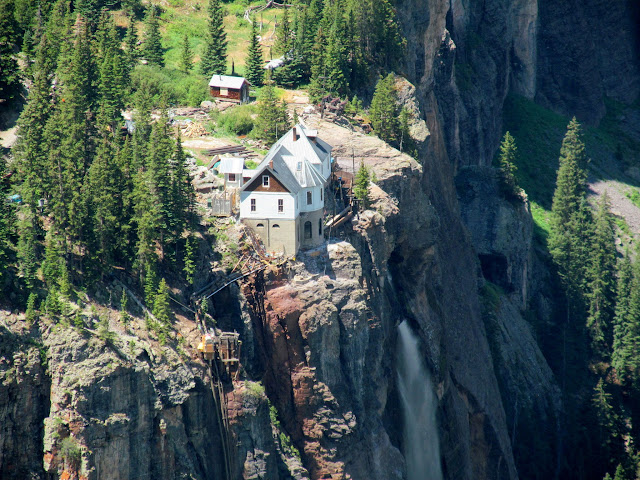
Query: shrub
x=238 y=121
x=71 y=452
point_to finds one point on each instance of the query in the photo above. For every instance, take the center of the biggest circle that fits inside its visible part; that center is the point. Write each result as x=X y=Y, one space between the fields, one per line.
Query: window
x=319 y=226
x=224 y=92
x=265 y=180
x=260 y=225
x=307 y=230
x=321 y=195
x=232 y=177
x=275 y=225
x=299 y=166
x=253 y=204
x=309 y=198
x=280 y=205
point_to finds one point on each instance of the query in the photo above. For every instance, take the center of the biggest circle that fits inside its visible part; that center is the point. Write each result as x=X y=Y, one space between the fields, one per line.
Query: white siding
x=267 y=205
x=316 y=202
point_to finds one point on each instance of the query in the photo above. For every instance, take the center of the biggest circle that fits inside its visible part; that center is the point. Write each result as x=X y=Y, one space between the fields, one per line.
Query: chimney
x=271 y=164
x=294 y=134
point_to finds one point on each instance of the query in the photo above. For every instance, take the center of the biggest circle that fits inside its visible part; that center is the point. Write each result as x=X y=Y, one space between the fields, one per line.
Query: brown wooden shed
x=226 y=87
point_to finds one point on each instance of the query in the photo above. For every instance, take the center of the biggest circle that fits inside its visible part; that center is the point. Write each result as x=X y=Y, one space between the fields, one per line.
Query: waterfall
x=419 y=404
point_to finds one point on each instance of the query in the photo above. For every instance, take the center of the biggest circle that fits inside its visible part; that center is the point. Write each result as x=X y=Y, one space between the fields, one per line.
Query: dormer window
x=265 y=181
x=299 y=166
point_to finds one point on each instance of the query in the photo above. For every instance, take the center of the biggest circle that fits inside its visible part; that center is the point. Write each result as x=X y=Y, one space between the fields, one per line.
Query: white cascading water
x=419 y=404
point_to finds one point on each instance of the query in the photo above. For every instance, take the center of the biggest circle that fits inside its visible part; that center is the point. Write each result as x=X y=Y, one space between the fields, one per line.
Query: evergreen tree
x=619 y=473
x=9 y=71
x=255 y=72
x=183 y=194
x=113 y=78
x=186 y=57
x=31 y=314
x=7 y=222
x=602 y=271
x=317 y=88
x=383 y=110
x=570 y=221
x=507 y=161
x=337 y=67
x=621 y=320
x=53 y=259
x=190 y=259
x=272 y=121
x=152 y=49
x=214 y=57
x=131 y=43
x=361 y=185
x=284 y=35
x=405 y=140
x=150 y=285
x=161 y=304
x=27 y=250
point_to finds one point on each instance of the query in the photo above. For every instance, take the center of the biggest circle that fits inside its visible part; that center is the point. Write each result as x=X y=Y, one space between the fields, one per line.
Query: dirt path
x=621 y=205
x=8 y=137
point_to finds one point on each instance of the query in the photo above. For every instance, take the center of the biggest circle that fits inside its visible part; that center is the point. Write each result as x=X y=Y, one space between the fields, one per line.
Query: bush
x=237 y=121
x=71 y=452
x=177 y=87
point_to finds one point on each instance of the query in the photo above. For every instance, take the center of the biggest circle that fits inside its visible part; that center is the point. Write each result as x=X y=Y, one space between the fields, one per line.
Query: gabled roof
x=280 y=170
x=294 y=161
x=231 y=165
x=227 y=81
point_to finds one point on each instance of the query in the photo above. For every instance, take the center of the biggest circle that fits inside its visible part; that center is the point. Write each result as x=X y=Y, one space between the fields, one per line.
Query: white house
x=232 y=168
x=284 y=199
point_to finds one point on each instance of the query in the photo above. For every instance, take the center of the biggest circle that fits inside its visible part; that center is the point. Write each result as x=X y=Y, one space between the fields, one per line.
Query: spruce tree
x=152 y=49
x=272 y=121
x=161 y=304
x=186 y=55
x=150 y=285
x=361 y=185
x=621 y=319
x=570 y=221
x=602 y=271
x=284 y=35
x=318 y=86
x=255 y=72
x=27 y=250
x=384 y=110
x=507 y=165
x=131 y=43
x=214 y=56
x=190 y=259
x=7 y=222
x=9 y=71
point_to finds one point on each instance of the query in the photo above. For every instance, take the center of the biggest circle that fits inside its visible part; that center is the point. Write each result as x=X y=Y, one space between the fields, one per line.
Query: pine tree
x=186 y=55
x=384 y=110
x=272 y=121
x=602 y=271
x=284 y=35
x=31 y=314
x=152 y=49
x=161 y=304
x=214 y=57
x=361 y=185
x=183 y=194
x=190 y=259
x=53 y=259
x=570 y=221
x=9 y=71
x=150 y=285
x=27 y=250
x=621 y=319
x=255 y=72
x=113 y=75
x=317 y=88
x=131 y=43
x=7 y=222
x=507 y=161
x=619 y=473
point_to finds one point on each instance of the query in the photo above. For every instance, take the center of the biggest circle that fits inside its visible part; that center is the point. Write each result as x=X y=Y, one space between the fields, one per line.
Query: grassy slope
x=539 y=132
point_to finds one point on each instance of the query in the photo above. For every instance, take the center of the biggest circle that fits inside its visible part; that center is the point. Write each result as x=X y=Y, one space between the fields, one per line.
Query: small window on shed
x=232 y=177
x=299 y=166
x=265 y=180
x=224 y=92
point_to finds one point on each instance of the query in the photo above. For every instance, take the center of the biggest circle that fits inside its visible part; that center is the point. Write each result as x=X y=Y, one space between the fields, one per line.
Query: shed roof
x=231 y=165
x=227 y=81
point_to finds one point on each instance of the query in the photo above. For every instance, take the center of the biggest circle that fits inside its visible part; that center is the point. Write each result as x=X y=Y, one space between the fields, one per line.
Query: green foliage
x=152 y=49
x=384 y=109
x=31 y=314
x=507 y=161
x=124 y=314
x=104 y=330
x=161 y=304
x=272 y=121
x=171 y=85
x=214 y=57
x=254 y=71
x=186 y=58
x=150 y=286
x=9 y=71
x=361 y=185
x=190 y=257
x=71 y=452
x=236 y=121
x=285 y=441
